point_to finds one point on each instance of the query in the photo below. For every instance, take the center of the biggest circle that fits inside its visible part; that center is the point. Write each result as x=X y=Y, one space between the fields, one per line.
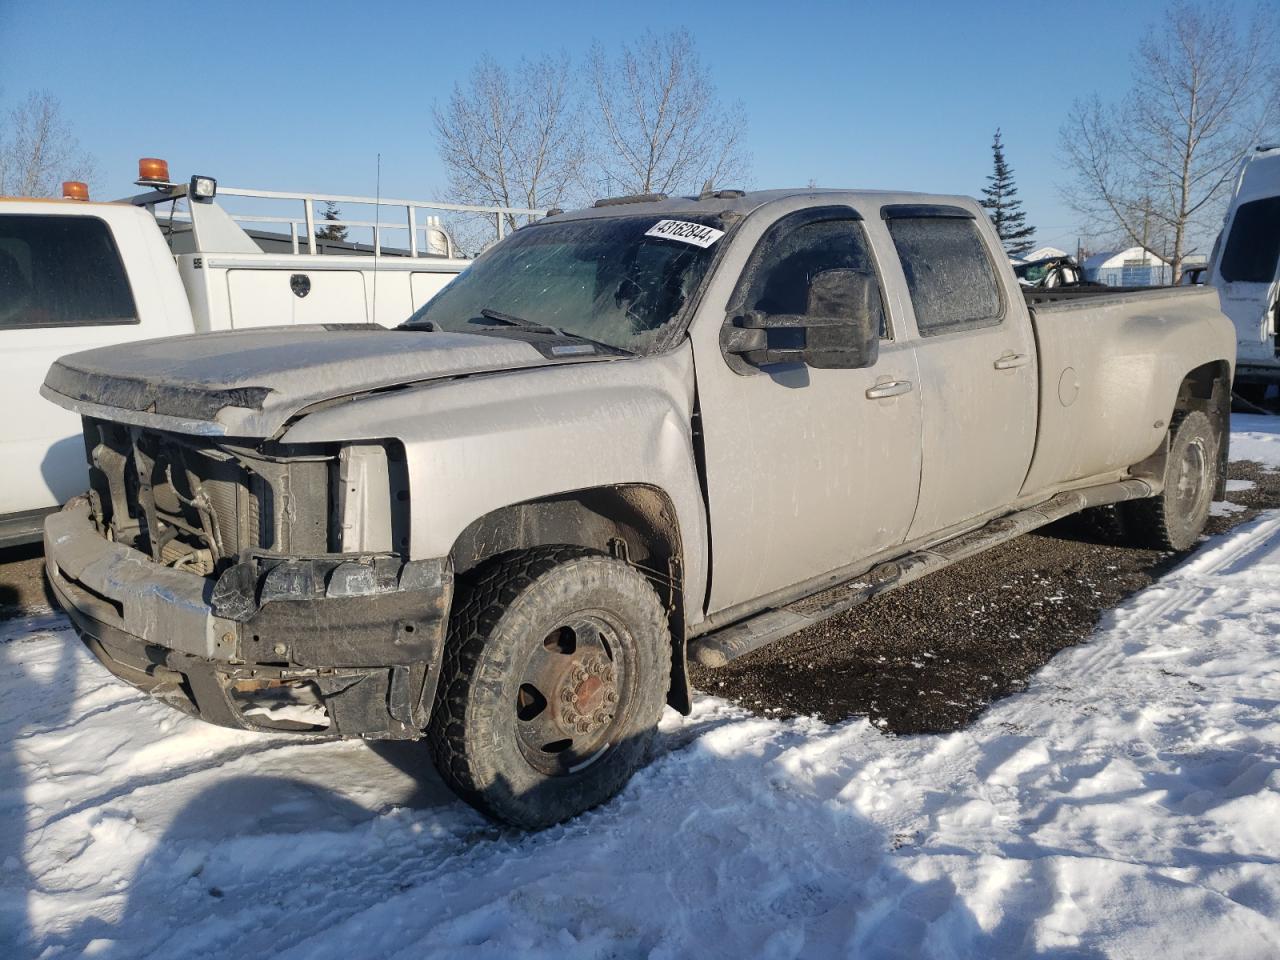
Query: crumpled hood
x=249 y=383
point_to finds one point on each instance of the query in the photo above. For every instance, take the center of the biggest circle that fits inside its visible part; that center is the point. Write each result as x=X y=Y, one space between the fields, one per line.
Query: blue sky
x=293 y=95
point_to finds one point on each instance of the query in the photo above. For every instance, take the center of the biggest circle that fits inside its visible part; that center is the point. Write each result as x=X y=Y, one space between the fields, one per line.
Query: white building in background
x=1044 y=253
x=1134 y=267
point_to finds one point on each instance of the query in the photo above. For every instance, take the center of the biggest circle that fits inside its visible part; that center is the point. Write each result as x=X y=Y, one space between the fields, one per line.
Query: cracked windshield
x=620 y=281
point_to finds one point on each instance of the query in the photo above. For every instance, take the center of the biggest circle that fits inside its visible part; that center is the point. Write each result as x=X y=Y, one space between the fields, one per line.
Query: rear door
x=63 y=288
x=977 y=366
x=807 y=469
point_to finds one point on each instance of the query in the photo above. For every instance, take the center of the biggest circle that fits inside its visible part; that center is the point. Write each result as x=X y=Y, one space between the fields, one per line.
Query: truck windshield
x=618 y=280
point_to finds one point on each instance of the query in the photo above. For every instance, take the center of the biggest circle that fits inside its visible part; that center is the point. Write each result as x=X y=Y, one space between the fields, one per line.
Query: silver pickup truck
x=627 y=436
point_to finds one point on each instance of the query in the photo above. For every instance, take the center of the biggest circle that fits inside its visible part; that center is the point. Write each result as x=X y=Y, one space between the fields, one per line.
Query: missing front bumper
x=286 y=645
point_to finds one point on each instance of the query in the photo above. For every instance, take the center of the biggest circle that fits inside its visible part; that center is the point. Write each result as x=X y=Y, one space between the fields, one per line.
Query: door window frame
x=798 y=219
x=939 y=211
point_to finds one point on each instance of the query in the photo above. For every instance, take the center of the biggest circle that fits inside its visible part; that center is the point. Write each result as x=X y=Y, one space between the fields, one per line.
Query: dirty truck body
x=487 y=528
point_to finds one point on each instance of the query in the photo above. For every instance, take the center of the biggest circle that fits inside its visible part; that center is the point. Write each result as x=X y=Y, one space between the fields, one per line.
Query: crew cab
x=77 y=274
x=652 y=430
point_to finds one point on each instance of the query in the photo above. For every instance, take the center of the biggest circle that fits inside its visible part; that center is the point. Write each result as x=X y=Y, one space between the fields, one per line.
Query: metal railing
x=309 y=221
x=297 y=226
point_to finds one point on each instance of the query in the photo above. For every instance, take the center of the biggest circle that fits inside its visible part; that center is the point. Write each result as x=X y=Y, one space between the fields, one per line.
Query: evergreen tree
x=332 y=231
x=1000 y=199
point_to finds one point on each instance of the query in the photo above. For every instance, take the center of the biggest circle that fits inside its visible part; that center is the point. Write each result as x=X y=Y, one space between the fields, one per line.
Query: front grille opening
x=294 y=705
x=200 y=506
x=197 y=509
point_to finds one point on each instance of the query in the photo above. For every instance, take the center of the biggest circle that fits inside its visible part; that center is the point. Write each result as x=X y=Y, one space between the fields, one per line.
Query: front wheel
x=554 y=677
x=1174 y=519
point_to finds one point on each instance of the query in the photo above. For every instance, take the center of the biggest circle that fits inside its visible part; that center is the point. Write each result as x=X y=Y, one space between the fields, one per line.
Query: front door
x=807 y=469
x=977 y=367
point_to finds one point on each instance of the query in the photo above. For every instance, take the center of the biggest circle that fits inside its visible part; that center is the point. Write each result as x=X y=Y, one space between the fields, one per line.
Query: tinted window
x=952 y=283
x=58 y=271
x=792 y=253
x=1253 y=248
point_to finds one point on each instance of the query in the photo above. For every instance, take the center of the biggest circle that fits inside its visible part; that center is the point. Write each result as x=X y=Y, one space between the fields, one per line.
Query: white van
x=76 y=274
x=1246 y=270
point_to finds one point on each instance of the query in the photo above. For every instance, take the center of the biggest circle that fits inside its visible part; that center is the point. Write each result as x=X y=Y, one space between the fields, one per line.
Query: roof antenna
x=708 y=190
x=377 y=221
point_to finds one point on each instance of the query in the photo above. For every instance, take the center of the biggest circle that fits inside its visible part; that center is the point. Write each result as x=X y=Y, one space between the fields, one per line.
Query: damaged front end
x=261 y=587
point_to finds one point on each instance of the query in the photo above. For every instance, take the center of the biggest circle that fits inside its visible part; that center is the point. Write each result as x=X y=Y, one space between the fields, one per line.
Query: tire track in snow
x=82 y=718
x=166 y=777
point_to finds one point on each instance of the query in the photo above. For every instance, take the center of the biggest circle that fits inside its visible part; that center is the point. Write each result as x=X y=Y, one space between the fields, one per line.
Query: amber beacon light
x=152 y=170
x=75 y=190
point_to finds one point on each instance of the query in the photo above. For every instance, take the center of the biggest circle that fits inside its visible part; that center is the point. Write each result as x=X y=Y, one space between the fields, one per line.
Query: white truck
x=76 y=275
x=1246 y=271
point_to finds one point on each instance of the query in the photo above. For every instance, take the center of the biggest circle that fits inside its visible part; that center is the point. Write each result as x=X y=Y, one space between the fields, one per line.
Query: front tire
x=1175 y=518
x=554 y=677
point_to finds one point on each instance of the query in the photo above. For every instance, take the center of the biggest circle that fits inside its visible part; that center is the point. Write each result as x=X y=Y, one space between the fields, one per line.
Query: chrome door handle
x=1011 y=360
x=894 y=388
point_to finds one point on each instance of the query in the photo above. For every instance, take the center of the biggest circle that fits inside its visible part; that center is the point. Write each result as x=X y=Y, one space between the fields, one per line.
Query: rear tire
x=1175 y=518
x=554 y=677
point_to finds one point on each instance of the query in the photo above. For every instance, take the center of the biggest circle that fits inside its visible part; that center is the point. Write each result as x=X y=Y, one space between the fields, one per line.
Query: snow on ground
x=1255 y=438
x=1127 y=804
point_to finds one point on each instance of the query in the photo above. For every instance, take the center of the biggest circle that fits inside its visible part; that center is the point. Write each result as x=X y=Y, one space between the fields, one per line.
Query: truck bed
x=1109 y=369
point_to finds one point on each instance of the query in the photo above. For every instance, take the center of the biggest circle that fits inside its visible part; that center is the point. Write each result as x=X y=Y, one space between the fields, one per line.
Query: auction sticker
x=694 y=233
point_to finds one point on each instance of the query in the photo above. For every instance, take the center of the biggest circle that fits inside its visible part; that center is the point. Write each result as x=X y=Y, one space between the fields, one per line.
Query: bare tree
x=663 y=127
x=1154 y=166
x=512 y=137
x=38 y=150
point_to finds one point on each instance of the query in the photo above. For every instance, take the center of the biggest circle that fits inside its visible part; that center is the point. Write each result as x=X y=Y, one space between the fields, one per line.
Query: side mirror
x=840 y=328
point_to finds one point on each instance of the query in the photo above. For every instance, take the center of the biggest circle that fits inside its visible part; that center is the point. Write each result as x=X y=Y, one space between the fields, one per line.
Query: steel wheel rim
x=1190 y=487
x=572 y=694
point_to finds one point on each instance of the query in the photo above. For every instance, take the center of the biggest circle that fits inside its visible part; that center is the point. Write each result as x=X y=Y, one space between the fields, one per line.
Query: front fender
x=475 y=445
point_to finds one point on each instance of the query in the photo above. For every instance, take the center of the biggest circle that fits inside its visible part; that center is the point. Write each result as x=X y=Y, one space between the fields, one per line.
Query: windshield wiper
x=512 y=320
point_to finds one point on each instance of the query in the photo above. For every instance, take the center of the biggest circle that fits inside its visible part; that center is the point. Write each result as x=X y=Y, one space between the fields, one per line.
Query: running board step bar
x=728 y=643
